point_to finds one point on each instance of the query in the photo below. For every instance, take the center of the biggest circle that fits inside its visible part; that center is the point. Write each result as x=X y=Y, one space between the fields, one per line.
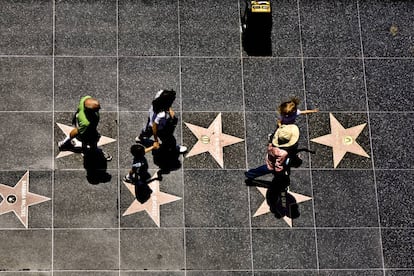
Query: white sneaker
x=107 y=156
x=76 y=143
x=60 y=144
x=127 y=178
x=182 y=149
x=64 y=145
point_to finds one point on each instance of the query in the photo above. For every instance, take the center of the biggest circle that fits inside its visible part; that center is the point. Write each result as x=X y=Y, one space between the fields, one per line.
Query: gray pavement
x=353 y=59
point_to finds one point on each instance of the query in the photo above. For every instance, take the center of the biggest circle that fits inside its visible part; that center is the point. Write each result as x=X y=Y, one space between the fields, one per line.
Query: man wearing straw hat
x=284 y=143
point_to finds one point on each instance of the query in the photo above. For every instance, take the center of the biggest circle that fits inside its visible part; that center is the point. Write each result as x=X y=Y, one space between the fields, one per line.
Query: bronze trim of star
x=18 y=199
x=212 y=140
x=152 y=205
x=103 y=140
x=342 y=140
x=264 y=207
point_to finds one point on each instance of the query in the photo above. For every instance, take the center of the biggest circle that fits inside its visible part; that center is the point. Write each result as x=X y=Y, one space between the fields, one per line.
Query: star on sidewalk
x=17 y=199
x=211 y=140
x=78 y=144
x=152 y=206
x=342 y=140
x=264 y=208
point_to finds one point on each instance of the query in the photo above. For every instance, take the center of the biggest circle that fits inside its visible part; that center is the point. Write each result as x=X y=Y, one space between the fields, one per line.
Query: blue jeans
x=257 y=172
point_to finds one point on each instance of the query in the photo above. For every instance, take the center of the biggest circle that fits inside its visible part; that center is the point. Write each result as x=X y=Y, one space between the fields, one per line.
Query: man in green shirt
x=86 y=121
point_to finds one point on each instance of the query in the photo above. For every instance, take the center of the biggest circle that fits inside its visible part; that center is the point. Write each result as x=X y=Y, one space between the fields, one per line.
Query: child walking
x=139 y=169
x=288 y=112
x=138 y=175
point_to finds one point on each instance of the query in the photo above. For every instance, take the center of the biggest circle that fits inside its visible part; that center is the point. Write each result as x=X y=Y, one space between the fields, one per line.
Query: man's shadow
x=281 y=202
x=94 y=162
x=95 y=165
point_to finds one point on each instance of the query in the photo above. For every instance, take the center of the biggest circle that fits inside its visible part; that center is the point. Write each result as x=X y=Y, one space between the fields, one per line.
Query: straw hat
x=286 y=136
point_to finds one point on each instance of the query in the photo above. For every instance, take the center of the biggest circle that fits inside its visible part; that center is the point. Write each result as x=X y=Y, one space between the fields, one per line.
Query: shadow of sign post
x=257 y=28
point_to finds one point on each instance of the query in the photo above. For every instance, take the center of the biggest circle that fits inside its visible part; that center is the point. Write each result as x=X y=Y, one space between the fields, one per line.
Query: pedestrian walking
x=86 y=121
x=139 y=168
x=281 y=151
x=161 y=123
x=288 y=112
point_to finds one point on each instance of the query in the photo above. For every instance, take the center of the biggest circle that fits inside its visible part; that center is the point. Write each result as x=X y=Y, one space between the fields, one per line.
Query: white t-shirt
x=161 y=118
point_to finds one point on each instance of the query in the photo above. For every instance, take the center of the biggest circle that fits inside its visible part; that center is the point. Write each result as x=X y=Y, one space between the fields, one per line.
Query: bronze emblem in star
x=264 y=208
x=211 y=140
x=78 y=144
x=342 y=140
x=17 y=199
x=152 y=205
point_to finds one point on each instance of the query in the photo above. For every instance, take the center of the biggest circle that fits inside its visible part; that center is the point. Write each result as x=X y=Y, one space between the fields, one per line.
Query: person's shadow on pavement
x=167 y=159
x=281 y=202
x=95 y=164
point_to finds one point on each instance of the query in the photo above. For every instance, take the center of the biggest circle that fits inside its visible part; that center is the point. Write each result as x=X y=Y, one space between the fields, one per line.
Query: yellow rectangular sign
x=261 y=6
